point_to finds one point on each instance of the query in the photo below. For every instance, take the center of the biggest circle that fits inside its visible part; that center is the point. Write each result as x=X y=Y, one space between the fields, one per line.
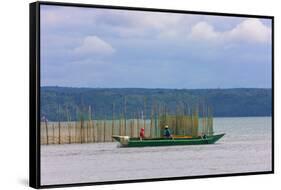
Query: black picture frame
x=34 y=92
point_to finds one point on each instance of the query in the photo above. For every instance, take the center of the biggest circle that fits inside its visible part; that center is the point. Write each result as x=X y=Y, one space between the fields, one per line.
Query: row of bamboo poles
x=185 y=122
x=90 y=131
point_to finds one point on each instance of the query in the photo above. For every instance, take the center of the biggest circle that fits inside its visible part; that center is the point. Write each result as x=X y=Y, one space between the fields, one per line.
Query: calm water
x=245 y=148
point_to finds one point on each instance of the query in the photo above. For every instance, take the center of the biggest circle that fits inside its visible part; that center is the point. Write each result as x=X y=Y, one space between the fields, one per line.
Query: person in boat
x=167 y=132
x=203 y=136
x=141 y=133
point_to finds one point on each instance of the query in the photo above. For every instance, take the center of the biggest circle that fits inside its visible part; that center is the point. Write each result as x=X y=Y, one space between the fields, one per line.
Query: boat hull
x=136 y=142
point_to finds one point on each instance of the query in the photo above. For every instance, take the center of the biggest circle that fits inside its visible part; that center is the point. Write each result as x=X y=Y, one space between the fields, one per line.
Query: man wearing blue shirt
x=167 y=132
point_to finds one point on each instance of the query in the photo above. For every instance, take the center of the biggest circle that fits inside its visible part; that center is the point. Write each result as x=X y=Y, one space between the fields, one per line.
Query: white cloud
x=94 y=45
x=252 y=30
x=59 y=17
x=128 y=24
x=137 y=24
x=203 y=31
x=157 y=20
x=249 y=30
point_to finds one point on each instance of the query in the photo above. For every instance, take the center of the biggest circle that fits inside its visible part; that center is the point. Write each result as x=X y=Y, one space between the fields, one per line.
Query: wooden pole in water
x=160 y=120
x=134 y=125
x=46 y=125
x=112 y=127
x=155 y=122
x=68 y=126
x=86 y=136
x=93 y=130
x=59 y=133
x=76 y=126
x=104 y=131
x=75 y=132
x=98 y=131
x=93 y=126
x=206 y=120
x=125 y=110
x=88 y=123
x=151 y=124
x=203 y=118
x=138 y=127
x=81 y=129
x=144 y=112
x=177 y=118
x=53 y=127
x=119 y=123
x=131 y=128
x=59 y=124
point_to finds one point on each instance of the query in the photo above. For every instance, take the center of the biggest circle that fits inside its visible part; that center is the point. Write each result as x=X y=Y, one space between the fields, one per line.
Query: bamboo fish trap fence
x=96 y=131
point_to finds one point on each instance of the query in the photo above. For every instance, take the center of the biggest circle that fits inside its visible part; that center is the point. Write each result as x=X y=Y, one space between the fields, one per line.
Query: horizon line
x=219 y=88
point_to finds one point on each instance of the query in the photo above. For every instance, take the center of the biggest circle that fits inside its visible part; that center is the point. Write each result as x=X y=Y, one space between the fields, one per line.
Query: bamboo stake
x=125 y=110
x=144 y=112
x=53 y=127
x=81 y=131
x=138 y=124
x=104 y=131
x=98 y=131
x=75 y=132
x=59 y=124
x=119 y=126
x=151 y=124
x=69 y=129
x=46 y=125
x=112 y=127
x=131 y=128
x=94 y=132
x=93 y=126
x=89 y=122
x=59 y=133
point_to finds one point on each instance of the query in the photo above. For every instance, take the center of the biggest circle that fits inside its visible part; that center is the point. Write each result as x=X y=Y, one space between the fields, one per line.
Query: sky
x=104 y=48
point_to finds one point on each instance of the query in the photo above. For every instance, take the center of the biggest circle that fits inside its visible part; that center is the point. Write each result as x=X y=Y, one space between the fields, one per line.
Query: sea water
x=246 y=147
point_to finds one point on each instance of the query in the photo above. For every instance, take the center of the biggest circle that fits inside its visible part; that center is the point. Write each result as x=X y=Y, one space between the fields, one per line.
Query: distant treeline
x=69 y=104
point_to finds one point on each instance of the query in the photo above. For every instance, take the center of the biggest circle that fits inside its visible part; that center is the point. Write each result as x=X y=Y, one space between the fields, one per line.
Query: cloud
x=158 y=44
x=137 y=24
x=128 y=24
x=250 y=30
x=94 y=45
x=60 y=17
x=204 y=31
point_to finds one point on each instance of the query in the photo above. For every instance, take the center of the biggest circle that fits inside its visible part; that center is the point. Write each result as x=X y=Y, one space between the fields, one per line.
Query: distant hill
x=70 y=102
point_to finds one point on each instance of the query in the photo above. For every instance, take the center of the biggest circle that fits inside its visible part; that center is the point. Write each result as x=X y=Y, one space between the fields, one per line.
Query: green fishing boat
x=126 y=141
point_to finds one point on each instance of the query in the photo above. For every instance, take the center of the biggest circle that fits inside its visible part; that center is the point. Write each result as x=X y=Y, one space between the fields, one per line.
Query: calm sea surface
x=246 y=147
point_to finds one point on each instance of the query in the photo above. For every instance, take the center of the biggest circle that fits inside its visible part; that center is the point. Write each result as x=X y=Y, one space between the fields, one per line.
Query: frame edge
x=34 y=163
x=34 y=34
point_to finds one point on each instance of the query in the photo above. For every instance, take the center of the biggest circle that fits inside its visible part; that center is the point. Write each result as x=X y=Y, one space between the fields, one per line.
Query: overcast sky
x=87 y=47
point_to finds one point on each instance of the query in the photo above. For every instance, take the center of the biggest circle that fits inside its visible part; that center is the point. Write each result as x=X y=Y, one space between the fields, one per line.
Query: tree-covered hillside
x=61 y=103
